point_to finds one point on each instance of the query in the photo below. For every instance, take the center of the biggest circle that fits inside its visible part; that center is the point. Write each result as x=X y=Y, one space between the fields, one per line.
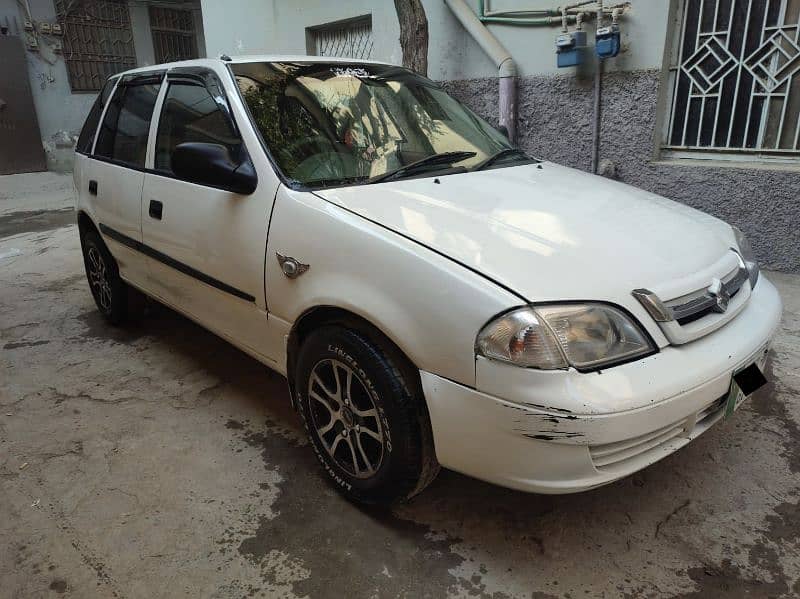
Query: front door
x=206 y=245
x=21 y=148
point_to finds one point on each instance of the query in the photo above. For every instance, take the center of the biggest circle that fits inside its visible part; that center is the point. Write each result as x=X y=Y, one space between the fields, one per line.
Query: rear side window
x=190 y=114
x=85 y=139
x=123 y=134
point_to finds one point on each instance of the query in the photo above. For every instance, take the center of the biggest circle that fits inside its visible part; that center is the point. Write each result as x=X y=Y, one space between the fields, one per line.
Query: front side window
x=190 y=114
x=329 y=124
x=123 y=134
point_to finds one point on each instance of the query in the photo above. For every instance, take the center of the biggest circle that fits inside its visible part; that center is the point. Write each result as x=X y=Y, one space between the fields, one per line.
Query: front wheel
x=365 y=416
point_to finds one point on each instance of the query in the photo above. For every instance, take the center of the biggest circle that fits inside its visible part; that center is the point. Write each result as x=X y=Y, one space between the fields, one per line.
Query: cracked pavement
x=158 y=461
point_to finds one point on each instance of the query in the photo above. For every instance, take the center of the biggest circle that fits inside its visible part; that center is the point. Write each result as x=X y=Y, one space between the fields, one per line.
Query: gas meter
x=570 y=48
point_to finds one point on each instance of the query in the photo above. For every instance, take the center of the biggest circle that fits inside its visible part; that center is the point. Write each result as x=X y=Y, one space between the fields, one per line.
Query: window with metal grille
x=348 y=39
x=734 y=83
x=98 y=41
x=173 y=34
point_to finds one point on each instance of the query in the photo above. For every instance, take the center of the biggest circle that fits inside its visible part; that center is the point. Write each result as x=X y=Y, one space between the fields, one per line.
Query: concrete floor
x=158 y=461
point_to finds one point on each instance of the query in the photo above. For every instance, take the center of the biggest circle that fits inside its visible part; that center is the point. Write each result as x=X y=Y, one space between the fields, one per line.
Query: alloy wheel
x=346 y=418
x=98 y=278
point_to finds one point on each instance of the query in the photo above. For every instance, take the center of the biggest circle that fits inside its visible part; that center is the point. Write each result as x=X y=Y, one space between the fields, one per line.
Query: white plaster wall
x=60 y=111
x=279 y=26
x=57 y=108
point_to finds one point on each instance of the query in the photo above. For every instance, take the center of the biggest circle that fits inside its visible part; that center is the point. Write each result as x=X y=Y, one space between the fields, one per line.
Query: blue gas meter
x=570 y=48
x=607 y=41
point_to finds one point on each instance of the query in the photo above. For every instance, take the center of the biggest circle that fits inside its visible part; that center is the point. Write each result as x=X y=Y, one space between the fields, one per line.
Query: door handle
x=156 y=209
x=93 y=187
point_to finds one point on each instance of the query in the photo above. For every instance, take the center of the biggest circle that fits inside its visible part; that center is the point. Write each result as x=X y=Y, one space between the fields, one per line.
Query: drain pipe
x=502 y=59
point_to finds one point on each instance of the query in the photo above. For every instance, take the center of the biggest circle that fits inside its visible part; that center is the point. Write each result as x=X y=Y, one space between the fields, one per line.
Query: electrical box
x=607 y=41
x=570 y=49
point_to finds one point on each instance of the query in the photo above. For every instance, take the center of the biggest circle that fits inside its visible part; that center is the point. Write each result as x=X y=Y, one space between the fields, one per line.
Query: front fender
x=430 y=306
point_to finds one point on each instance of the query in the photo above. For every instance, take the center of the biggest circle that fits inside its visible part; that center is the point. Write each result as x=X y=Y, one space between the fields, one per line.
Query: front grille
x=698 y=304
x=701 y=303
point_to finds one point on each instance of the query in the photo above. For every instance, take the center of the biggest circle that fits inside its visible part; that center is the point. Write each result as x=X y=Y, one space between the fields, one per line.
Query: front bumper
x=565 y=431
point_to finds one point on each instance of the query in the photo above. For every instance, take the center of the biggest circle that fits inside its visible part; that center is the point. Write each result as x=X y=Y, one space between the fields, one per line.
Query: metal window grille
x=735 y=79
x=173 y=34
x=349 y=40
x=98 y=41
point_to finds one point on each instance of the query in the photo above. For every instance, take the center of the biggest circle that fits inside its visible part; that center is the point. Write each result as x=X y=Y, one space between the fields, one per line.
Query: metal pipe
x=518 y=17
x=482 y=12
x=598 y=95
x=541 y=17
x=507 y=68
x=534 y=21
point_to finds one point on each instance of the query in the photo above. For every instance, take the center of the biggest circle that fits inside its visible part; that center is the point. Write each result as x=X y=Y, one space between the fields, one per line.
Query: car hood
x=545 y=231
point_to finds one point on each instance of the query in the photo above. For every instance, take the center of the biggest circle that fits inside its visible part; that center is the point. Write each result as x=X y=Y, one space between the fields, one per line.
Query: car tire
x=116 y=300
x=369 y=427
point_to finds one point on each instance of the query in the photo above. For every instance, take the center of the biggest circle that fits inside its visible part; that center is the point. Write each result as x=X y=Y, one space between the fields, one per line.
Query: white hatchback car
x=433 y=295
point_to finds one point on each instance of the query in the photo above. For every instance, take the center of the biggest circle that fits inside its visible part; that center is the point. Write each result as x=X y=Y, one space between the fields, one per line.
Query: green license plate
x=744 y=382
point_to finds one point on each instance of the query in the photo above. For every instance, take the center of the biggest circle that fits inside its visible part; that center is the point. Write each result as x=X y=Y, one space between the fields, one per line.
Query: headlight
x=746 y=252
x=585 y=336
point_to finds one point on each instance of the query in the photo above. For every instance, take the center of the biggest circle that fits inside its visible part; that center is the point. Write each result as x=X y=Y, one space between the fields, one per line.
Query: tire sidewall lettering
x=365 y=379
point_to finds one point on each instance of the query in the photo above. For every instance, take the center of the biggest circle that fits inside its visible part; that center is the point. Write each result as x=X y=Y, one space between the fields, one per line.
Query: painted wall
x=277 y=26
x=61 y=112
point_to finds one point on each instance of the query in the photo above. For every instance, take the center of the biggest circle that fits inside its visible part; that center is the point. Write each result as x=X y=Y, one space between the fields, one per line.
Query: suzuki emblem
x=718 y=292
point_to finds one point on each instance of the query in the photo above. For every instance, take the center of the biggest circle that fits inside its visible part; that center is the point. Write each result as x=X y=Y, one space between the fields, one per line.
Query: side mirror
x=212 y=165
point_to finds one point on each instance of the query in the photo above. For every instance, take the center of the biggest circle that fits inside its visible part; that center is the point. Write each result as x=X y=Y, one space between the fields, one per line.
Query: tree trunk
x=413 y=34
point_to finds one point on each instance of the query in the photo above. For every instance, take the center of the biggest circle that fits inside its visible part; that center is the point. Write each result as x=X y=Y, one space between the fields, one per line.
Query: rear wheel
x=365 y=416
x=114 y=298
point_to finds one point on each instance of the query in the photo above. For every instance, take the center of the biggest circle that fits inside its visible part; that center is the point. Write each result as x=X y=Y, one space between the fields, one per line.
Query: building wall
x=61 y=112
x=272 y=26
x=277 y=26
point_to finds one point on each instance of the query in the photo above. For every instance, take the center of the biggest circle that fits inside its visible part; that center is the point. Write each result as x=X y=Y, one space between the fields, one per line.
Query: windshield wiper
x=333 y=182
x=497 y=156
x=442 y=158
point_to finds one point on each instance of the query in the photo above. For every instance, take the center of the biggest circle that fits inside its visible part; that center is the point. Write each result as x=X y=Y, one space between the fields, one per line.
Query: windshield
x=331 y=124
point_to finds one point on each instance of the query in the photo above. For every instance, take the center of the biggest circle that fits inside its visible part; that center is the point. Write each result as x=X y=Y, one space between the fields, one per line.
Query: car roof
x=212 y=62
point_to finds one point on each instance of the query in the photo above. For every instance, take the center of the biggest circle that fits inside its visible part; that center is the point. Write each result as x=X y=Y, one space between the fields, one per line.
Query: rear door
x=114 y=174
x=206 y=245
x=83 y=172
